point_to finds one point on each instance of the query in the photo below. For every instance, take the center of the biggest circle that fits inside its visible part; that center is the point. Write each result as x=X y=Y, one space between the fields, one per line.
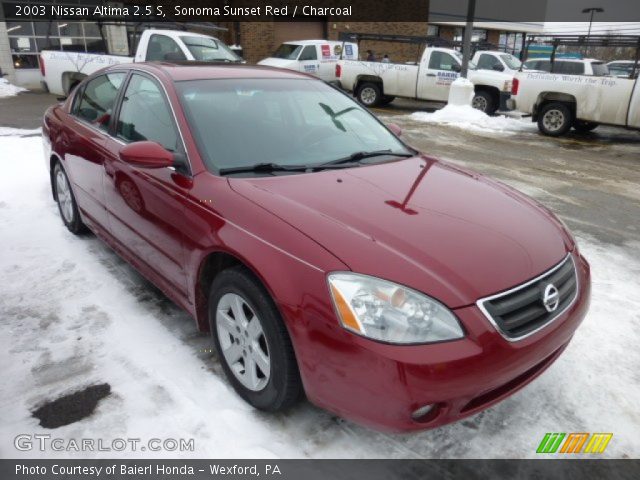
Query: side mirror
x=498 y=67
x=147 y=155
x=456 y=68
x=397 y=131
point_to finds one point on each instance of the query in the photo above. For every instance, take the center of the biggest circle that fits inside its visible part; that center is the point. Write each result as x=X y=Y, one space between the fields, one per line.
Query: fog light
x=422 y=411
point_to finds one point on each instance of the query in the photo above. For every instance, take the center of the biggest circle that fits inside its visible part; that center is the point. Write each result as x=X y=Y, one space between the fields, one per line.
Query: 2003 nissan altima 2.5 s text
x=324 y=255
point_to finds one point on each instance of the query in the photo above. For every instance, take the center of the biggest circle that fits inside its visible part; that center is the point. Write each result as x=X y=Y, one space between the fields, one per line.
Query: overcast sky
x=620 y=28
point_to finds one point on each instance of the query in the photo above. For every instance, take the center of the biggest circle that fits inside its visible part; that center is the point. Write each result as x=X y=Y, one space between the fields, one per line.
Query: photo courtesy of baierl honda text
x=319 y=239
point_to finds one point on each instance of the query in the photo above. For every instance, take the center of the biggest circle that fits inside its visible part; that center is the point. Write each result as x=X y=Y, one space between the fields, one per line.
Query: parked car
x=323 y=253
x=623 y=68
x=378 y=83
x=497 y=61
x=559 y=102
x=569 y=66
x=62 y=71
x=317 y=57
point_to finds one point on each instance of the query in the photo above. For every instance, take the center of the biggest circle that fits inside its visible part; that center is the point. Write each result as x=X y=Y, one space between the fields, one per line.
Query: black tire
x=555 y=119
x=68 y=211
x=582 y=126
x=369 y=94
x=386 y=100
x=284 y=387
x=484 y=101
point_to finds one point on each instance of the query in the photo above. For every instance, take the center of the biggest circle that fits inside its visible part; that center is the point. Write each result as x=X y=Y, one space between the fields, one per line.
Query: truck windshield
x=207 y=49
x=512 y=62
x=288 y=51
x=285 y=122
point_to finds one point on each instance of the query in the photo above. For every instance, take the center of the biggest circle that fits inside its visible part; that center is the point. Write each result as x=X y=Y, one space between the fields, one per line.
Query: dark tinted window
x=599 y=69
x=309 y=53
x=442 y=61
x=569 y=68
x=487 y=62
x=145 y=114
x=162 y=48
x=98 y=99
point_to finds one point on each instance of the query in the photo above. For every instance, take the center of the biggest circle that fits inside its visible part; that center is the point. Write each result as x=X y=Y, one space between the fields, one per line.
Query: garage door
x=288 y=31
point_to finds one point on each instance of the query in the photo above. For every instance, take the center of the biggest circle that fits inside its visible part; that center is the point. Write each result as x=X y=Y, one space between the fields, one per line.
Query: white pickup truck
x=558 y=102
x=497 y=61
x=62 y=70
x=378 y=83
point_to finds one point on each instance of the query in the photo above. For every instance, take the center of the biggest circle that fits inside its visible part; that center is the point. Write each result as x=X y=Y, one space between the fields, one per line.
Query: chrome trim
x=480 y=303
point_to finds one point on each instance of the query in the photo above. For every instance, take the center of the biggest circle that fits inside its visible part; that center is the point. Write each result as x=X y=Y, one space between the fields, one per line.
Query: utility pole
x=466 y=41
x=591 y=10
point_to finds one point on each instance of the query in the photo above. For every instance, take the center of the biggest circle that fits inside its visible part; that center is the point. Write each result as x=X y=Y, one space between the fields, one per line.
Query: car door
x=437 y=73
x=145 y=205
x=84 y=143
x=308 y=60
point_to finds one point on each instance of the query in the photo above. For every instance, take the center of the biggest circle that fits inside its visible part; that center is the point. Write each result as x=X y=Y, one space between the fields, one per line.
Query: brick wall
x=257 y=40
x=397 y=52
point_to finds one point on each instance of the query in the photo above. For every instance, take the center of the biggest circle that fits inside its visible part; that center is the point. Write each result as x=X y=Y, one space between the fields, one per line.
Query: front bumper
x=381 y=385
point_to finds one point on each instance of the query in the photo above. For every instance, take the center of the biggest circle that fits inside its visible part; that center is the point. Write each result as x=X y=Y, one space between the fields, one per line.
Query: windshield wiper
x=354 y=157
x=263 y=168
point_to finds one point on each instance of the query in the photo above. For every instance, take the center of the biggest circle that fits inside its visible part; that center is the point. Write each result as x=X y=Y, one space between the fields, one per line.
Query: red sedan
x=324 y=254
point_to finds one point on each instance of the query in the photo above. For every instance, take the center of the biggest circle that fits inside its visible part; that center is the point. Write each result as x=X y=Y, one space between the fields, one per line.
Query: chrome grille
x=521 y=311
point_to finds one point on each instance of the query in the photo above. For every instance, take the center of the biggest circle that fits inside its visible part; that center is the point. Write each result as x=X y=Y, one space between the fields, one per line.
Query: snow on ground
x=9 y=90
x=73 y=314
x=468 y=118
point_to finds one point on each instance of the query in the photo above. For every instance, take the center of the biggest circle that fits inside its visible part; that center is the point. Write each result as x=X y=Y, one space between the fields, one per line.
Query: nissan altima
x=326 y=256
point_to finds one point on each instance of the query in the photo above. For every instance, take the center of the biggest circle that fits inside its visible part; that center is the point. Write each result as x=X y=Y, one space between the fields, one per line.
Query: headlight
x=389 y=312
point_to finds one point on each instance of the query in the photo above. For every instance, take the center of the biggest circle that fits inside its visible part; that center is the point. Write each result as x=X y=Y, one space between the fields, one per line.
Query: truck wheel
x=484 y=102
x=582 y=126
x=555 y=119
x=369 y=94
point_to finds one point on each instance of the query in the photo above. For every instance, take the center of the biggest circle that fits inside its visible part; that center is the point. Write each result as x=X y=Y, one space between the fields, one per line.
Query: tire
x=369 y=94
x=582 y=126
x=386 y=100
x=243 y=347
x=555 y=119
x=484 y=101
x=66 y=200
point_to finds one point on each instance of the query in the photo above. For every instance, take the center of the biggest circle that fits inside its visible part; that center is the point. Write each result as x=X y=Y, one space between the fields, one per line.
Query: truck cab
x=496 y=61
x=316 y=57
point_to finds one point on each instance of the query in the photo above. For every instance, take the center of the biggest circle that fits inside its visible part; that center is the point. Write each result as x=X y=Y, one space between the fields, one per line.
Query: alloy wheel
x=63 y=193
x=553 y=120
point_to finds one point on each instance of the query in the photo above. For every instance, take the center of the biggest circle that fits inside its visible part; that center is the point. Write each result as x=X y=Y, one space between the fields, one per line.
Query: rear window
x=568 y=68
x=288 y=51
x=599 y=68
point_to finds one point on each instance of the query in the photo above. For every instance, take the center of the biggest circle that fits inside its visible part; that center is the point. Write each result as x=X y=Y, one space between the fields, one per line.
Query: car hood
x=278 y=62
x=452 y=234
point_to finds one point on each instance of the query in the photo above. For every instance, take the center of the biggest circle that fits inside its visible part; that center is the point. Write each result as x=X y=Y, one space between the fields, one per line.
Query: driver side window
x=145 y=115
x=95 y=106
x=488 y=62
x=162 y=48
x=443 y=61
x=309 y=53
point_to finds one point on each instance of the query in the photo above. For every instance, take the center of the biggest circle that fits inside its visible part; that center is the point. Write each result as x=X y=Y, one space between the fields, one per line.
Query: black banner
x=584 y=469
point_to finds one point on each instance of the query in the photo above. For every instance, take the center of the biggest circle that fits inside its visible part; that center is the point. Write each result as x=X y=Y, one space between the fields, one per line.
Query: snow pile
x=9 y=90
x=73 y=314
x=469 y=118
x=10 y=131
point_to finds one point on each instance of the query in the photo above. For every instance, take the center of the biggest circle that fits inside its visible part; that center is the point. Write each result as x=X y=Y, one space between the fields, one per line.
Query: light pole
x=466 y=41
x=591 y=10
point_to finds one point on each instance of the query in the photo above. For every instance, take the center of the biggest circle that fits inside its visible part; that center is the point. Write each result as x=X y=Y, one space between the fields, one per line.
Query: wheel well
x=210 y=267
x=547 y=97
x=493 y=91
x=368 y=79
x=70 y=80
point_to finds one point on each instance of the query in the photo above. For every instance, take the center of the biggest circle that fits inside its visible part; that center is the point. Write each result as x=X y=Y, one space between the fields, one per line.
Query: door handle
x=431 y=74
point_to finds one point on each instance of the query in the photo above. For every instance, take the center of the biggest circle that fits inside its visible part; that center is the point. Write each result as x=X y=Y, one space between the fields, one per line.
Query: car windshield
x=288 y=122
x=207 y=49
x=511 y=61
x=288 y=51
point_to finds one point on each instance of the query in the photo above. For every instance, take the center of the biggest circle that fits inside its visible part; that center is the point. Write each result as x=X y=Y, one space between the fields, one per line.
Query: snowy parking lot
x=73 y=314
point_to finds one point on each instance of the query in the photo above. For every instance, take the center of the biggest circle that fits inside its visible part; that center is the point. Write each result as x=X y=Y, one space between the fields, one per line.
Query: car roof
x=205 y=70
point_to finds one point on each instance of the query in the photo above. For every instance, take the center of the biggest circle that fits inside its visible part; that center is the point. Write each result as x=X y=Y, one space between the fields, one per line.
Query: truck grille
x=525 y=309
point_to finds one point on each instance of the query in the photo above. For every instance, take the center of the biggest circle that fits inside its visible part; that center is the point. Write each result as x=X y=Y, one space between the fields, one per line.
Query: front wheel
x=555 y=119
x=66 y=201
x=252 y=341
x=369 y=94
x=583 y=126
x=484 y=102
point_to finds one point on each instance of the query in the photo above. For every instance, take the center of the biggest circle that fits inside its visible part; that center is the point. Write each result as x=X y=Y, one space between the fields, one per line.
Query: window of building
x=27 y=38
